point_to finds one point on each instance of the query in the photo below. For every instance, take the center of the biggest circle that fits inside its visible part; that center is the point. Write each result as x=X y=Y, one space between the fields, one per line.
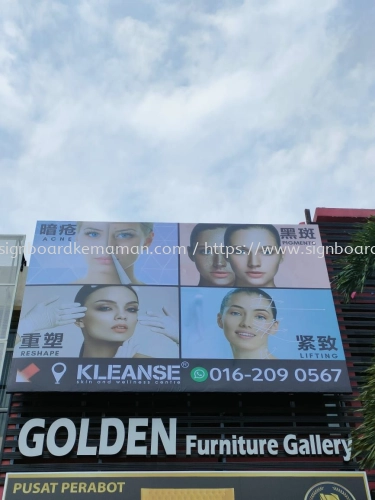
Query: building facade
x=285 y=431
x=11 y=288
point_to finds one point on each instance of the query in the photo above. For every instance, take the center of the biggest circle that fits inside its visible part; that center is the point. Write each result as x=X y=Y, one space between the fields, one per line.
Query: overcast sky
x=185 y=110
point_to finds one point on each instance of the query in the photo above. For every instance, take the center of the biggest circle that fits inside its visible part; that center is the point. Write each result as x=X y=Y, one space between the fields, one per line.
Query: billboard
x=113 y=306
x=189 y=485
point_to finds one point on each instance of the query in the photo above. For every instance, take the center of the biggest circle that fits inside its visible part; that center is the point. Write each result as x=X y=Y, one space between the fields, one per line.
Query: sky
x=184 y=111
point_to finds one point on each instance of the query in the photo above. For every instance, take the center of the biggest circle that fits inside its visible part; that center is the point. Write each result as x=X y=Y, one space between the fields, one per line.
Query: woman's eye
x=260 y=317
x=132 y=309
x=205 y=251
x=268 y=251
x=235 y=313
x=92 y=234
x=104 y=308
x=124 y=235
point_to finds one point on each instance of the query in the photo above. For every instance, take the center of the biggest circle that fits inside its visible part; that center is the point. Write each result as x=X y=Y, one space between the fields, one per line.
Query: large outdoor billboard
x=188 y=485
x=177 y=307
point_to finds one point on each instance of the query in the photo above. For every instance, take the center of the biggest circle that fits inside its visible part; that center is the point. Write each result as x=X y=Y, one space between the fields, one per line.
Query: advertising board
x=189 y=485
x=141 y=436
x=177 y=307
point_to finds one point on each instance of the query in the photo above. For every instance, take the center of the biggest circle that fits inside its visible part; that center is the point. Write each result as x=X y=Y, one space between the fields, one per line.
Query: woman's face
x=211 y=264
x=112 y=314
x=127 y=240
x=95 y=234
x=247 y=321
x=257 y=264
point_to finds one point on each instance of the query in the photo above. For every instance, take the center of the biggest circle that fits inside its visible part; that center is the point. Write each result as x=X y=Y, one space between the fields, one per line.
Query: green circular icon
x=199 y=374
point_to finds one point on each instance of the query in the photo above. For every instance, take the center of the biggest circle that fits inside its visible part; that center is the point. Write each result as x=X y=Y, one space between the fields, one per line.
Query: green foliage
x=359 y=265
x=363 y=445
x=356 y=269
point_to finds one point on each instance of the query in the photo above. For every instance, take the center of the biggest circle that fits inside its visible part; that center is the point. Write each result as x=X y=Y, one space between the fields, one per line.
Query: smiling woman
x=248 y=317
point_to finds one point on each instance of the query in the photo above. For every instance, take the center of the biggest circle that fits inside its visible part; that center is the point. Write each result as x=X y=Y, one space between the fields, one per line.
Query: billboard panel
x=84 y=253
x=117 y=307
x=253 y=255
x=189 y=485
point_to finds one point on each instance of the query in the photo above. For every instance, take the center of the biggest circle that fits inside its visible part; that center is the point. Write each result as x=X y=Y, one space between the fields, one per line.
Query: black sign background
x=254 y=486
x=222 y=376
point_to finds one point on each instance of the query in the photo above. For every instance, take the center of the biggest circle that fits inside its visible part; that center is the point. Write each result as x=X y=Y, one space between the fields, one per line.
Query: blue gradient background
x=49 y=269
x=299 y=312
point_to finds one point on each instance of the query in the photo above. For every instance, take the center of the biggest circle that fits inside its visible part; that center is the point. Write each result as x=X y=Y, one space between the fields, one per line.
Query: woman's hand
x=50 y=314
x=162 y=323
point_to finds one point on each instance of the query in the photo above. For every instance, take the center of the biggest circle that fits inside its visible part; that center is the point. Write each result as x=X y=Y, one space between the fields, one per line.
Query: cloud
x=143 y=45
x=244 y=111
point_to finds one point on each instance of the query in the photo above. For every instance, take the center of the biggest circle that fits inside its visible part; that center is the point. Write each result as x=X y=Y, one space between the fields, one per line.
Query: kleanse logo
x=162 y=374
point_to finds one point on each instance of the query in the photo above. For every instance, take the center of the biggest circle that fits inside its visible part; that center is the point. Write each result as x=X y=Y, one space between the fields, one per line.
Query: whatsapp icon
x=199 y=374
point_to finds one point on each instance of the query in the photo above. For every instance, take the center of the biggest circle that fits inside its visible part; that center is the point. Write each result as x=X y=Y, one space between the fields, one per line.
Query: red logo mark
x=26 y=374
